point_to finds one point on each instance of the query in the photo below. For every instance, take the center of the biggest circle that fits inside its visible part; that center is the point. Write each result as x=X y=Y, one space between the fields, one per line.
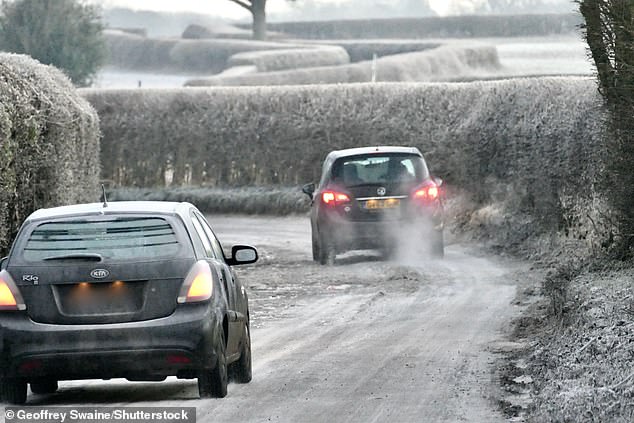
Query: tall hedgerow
x=609 y=30
x=530 y=145
x=49 y=143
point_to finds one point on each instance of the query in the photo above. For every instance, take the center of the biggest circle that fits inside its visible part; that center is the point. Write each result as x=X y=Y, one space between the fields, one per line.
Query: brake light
x=198 y=285
x=10 y=298
x=428 y=193
x=333 y=198
x=29 y=366
x=178 y=359
x=6 y=296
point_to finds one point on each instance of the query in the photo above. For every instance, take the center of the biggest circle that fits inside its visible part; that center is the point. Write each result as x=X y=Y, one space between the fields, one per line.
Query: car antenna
x=103 y=194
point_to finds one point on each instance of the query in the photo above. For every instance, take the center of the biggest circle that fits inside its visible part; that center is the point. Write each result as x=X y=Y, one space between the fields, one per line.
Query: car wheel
x=213 y=383
x=241 y=370
x=13 y=391
x=327 y=251
x=44 y=386
x=316 y=252
x=438 y=244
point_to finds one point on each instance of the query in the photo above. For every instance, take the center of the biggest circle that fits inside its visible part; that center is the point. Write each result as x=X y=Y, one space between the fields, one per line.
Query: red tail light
x=178 y=359
x=10 y=298
x=427 y=193
x=29 y=366
x=333 y=198
x=198 y=285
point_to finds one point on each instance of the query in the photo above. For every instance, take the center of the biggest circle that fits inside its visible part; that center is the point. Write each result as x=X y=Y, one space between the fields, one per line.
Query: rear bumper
x=354 y=235
x=174 y=345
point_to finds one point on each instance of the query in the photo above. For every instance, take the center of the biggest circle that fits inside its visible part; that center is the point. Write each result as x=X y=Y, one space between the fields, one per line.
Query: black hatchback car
x=375 y=198
x=136 y=290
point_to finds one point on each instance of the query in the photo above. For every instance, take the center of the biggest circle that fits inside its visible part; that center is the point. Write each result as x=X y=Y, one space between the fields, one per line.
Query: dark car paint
x=138 y=348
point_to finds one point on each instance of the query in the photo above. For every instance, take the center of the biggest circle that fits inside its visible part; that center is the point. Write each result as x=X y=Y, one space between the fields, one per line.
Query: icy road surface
x=363 y=341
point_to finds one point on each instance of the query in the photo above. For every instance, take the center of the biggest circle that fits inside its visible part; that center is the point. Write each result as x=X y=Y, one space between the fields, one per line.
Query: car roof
x=114 y=207
x=369 y=150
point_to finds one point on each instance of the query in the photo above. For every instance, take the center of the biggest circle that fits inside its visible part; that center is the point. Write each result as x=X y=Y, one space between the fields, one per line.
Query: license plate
x=388 y=203
x=86 y=298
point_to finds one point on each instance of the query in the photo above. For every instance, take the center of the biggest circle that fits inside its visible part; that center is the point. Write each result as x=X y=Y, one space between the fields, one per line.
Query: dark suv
x=375 y=198
x=136 y=290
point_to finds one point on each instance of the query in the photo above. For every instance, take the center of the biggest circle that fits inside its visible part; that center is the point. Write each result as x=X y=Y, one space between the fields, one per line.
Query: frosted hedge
x=276 y=135
x=434 y=27
x=444 y=63
x=218 y=30
x=49 y=142
x=275 y=60
x=360 y=50
x=130 y=51
x=534 y=142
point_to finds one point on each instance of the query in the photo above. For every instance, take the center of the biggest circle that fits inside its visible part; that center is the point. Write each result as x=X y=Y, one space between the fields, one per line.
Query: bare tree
x=609 y=31
x=258 y=10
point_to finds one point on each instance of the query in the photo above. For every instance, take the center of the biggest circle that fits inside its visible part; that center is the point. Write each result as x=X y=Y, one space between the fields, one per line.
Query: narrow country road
x=363 y=341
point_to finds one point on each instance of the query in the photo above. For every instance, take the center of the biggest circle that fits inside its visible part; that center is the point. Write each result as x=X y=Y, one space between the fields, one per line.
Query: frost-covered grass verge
x=246 y=200
x=444 y=63
x=49 y=143
x=578 y=365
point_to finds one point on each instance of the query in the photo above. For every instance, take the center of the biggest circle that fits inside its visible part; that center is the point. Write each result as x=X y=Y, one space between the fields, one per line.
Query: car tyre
x=438 y=244
x=316 y=252
x=44 y=386
x=241 y=370
x=213 y=383
x=327 y=251
x=13 y=391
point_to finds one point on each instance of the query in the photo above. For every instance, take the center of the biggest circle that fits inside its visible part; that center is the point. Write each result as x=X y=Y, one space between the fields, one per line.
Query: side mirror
x=309 y=190
x=3 y=262
x=438 y=181
x=242 y=254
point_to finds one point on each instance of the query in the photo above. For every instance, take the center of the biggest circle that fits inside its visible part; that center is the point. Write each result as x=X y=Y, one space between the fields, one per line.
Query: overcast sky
x=228 y=9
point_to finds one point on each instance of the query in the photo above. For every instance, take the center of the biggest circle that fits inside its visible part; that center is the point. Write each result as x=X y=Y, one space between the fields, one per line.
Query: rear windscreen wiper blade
x=77 y=256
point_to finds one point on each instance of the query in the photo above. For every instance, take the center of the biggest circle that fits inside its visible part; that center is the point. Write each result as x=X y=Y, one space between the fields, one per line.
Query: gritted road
x=363 y=341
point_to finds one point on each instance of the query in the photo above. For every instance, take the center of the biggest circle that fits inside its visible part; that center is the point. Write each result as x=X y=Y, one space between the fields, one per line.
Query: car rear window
x=379 y=169
x=126 y=238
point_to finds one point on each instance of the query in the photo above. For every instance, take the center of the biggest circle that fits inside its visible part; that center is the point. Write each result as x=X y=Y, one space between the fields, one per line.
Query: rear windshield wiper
x=77 y=256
